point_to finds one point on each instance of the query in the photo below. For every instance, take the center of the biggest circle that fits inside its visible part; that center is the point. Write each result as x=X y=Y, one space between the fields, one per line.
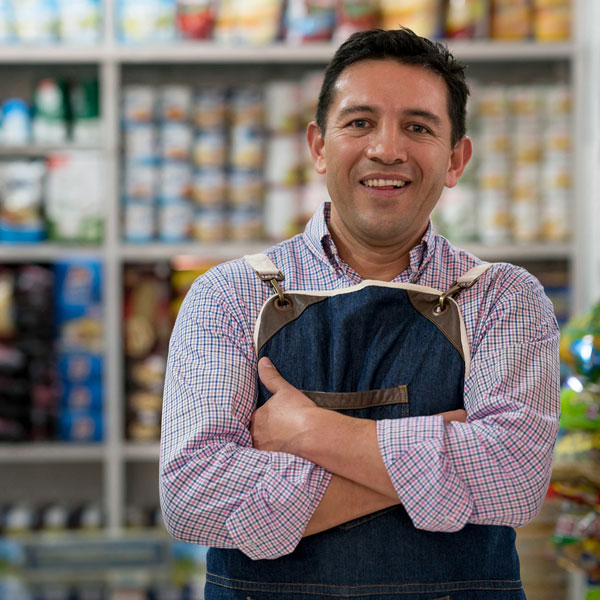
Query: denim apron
x=376 y=350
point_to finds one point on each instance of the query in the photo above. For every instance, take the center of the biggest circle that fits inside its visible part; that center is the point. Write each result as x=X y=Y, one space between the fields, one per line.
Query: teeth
x=384 y=182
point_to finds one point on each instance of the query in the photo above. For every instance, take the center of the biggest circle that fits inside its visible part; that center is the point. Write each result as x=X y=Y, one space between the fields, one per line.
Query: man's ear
x=316 y=145
x=458 y=161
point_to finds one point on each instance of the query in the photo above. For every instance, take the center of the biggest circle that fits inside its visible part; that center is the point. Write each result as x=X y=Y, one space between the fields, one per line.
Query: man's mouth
x=384 y=184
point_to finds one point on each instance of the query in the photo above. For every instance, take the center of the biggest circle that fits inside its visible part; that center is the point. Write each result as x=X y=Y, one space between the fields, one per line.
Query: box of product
x=80 y=367
x=82 y=396
x=80 y=426
x=76 y=197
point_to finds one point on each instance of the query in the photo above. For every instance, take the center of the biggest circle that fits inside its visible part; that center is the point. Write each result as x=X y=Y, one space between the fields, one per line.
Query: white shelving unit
x=115 y=455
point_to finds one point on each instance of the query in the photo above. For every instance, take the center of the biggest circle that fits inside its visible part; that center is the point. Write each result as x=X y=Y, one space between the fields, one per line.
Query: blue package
x=80 y=426
x=79 y=396
x=78 y=288
x=80 y=367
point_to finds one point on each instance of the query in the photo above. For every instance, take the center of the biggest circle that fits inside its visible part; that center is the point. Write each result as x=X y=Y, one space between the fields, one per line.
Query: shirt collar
x=321 y=243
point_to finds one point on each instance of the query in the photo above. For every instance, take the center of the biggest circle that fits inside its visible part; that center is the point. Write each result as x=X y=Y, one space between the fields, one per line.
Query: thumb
x=270 y=376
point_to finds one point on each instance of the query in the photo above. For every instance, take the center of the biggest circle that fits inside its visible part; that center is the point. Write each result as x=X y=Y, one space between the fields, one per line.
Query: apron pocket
x=362 y=520
x=360 y=400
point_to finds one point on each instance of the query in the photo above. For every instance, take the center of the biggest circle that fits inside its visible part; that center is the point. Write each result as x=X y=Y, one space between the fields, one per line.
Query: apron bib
x=376 y=350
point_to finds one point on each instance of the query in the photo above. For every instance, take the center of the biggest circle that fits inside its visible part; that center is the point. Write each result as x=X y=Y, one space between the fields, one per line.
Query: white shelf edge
x=212 y=52
x=53 y=53
x=32 y=150
x=164 y=251
x=534 y=251
x=138 y=451
x=30 y=452
x=46 y=252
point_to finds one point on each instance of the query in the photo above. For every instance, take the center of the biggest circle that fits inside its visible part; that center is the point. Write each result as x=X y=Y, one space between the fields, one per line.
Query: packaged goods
x=557 y=101
x=422 y=16
x=175 y=103
x=493 y=216
x=246 y=107
x=175 y=141
x=510 y=20
x=140 y=180
x=210 y=188
x=71 y=214
x=21 y=201
x=209 y=109
x=556 y=174
x=210 y=149
x=196 y=18
x=355 y=15
x=143 y=21
x=257 y=23
x=85 y=112
x=245 y=225
x=246 y=149
x=16 y=122
x=7 y=20
x=493 y=138
x=310 y=20
x=174 y=220
x=139 y=220
x=80 y=367
x=210 y=225
x=82 y=396
x=280 y=213
x=454 y=215
x=492 y=101
x=526 y=140
x=174 y=181
x=79 y=21
x=493 y=174
x=50 y=112
x=466 y=19
x=552 y=20
x=557 y=137
x=556 y=214
x=141 y=142
x=283 y=160
x=80 y=426
x=139 y=102
x=245 y=189
x=310 y=85
x=36 y=21
x=525 y=218
x=282 y=107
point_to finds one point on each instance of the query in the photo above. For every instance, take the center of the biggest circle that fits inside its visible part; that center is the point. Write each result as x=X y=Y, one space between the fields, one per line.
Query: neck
x=379 y=262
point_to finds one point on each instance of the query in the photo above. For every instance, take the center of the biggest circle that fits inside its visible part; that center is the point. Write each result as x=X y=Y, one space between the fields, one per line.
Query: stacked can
x=493 y=215
x=556 y=179
x=283 y=159
x=139 y=163
x=246 y=156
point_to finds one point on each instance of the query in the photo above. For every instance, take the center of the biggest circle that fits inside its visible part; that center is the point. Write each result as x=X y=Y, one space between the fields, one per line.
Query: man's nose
x=387 y=145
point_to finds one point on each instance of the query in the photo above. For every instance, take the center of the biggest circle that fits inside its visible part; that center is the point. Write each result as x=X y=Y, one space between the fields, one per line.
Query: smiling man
x=378 y=426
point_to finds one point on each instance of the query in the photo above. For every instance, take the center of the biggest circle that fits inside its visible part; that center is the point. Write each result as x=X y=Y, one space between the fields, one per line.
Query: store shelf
x=50 y=452
x=46 y=252
x=141 y=451
x=508 y=252
x=52 y=54
x=33 y=151
x=160 y=251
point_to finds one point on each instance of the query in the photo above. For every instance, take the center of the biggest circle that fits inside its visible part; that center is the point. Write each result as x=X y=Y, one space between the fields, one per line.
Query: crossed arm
x=345 y=446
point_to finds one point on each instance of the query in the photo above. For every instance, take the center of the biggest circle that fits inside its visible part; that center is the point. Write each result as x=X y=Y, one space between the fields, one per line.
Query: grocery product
x=174 y=218
x=355 y=15
x=196 y=18
x=422 y=16
x=71 y=214
x=210 y=188
x=552 y=20
x=283 y=160
x=280 y=213
x=36 y=21
x=309 y=20
x=21 y=201
x=84 y=103
x=50 y=112
x=210 y=225
x=139 y=102
x=282 y=107
x=16 y=122
x=139 y=220
x=209 y=108
x=466 y=19
x=79 y=21
x=145 y=21
x=175 y=141
x=510 y=20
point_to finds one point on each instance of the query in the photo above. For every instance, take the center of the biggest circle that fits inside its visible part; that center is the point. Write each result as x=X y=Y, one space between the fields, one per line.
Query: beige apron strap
x=464 y=282
x=266 y=270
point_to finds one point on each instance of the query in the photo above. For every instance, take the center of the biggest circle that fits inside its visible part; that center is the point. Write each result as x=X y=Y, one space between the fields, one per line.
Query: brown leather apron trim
x=273 y=319
x=448 y=322
x=357 y=400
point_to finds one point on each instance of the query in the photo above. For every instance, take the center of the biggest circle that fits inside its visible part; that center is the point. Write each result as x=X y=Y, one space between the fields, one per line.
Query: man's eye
x=359 y=123
x=419 y=128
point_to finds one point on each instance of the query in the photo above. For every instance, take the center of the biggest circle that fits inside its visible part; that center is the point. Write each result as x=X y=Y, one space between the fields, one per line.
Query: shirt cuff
x=414 y=456
x=272 y=519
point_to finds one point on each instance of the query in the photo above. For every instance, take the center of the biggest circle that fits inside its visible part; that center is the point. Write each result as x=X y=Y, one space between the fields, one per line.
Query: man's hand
x=280 y=421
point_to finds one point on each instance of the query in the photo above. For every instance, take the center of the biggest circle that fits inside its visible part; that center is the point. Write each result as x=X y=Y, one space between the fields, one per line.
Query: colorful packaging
x=36 y=21
x=140 y=142
x=282 y=107
x=73 y=215
x=355 y=15
x=280 y=213
x=245 y=225
x=310 y=20
x=140 y=180
x=552 y=20
x=175 y=217
x=210 y=225
x=79 y=21
x=247 y=148
x=422 y=16
x=16 y=123
x=196 y=18
x=175 y=141
x=283 y=160
x=510 y=20
x=145 y=21
x=210 y=149
x=175 y=103
x=85 y=112
x=245 y=189
x=209 y=109
x=139 y=220
x=174 y=181
x=210 y=188
x=139 y=102
x=466 y=19
x=50 y=112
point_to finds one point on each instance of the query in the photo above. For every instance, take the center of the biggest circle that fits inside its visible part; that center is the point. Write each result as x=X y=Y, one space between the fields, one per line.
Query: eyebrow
x=411 y=112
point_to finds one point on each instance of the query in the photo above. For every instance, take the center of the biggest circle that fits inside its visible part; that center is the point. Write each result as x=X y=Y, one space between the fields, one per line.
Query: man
x=381 y=507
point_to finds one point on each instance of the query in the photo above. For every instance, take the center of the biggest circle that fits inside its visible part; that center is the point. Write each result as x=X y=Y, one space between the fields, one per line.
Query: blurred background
x=143 y=141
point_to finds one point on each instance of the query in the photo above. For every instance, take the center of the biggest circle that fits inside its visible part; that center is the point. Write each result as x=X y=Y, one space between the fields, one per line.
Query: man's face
x=386 y=152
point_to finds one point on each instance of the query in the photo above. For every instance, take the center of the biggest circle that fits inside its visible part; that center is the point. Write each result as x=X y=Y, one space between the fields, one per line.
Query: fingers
x=270 y=376
x=455 y=415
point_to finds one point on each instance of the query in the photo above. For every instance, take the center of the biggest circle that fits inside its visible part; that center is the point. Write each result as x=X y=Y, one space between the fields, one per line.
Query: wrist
x=303 y=443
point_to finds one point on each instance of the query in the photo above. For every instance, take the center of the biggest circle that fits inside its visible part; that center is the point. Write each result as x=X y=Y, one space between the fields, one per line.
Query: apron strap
x=266 y=270
x=464 y=282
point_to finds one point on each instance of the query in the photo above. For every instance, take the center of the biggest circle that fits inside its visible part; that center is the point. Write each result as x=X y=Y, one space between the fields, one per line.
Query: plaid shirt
x=494 y=469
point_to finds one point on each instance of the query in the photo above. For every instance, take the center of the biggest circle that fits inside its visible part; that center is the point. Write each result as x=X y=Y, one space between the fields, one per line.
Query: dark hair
x=404 y=46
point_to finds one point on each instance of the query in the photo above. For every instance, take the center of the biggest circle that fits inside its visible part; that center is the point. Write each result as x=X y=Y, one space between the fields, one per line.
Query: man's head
x=408 y=48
